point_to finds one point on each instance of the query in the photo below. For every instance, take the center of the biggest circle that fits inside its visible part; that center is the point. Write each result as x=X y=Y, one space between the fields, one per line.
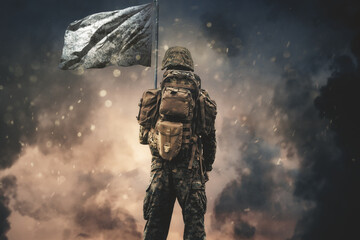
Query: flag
x=121 y=37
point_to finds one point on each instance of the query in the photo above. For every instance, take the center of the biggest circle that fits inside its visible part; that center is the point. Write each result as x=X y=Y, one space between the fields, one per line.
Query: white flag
x=121 y=37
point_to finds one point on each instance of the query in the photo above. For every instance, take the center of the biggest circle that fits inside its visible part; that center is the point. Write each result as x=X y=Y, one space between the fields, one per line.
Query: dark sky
x=285 y=74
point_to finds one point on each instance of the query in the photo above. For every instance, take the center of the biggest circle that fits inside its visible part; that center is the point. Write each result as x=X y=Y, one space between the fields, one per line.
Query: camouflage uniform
x=171 y=180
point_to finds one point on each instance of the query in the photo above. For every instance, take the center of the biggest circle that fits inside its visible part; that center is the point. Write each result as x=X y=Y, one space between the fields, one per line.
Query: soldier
x=177 y=121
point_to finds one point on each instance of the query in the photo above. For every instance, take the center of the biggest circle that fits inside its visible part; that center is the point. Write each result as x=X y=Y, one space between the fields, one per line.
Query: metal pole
x=156 y=39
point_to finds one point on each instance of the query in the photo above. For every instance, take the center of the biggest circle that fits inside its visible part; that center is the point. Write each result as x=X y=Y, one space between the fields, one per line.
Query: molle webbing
x=178 y=78
x=187 y=133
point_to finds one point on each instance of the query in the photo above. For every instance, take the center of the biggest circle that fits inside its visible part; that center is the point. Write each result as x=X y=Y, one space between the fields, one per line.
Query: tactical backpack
x=178 y=112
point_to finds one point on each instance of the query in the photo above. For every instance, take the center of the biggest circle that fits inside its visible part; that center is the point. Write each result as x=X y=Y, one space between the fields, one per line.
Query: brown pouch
x=176 y=103
x=169 y=138
x=148 y=107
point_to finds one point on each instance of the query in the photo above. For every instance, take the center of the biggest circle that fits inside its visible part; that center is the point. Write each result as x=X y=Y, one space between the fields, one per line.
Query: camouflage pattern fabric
x=209 y=146
x=176 y=57
x=171 y=180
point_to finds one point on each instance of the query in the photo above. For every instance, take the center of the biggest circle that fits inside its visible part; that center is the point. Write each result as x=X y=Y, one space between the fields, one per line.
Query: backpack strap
x=193 y=151
x=156 y=115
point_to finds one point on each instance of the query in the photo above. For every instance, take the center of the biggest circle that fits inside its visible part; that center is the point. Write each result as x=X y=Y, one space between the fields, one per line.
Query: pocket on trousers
x=147 y=201
x=198 y=190
x=155 y=166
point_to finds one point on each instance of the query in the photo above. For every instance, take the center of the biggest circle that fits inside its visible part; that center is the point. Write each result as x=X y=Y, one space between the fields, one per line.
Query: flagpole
x=156 y=39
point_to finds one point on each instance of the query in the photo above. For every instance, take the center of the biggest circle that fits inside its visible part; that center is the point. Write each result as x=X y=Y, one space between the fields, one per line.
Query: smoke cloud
x=331 y=178
x=285 y=76
x=7 y=190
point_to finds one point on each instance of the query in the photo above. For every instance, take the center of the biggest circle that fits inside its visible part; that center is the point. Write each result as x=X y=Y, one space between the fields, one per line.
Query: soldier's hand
x=206 y=176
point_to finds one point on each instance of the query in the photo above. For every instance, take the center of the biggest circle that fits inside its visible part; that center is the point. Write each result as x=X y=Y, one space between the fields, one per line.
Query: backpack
x=177 y=112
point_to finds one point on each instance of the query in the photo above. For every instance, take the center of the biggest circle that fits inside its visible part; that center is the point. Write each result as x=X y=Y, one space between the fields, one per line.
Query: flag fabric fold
x=121 y=37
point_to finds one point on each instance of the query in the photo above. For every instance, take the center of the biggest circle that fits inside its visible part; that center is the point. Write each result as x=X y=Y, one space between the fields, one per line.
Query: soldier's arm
x=209 y=138
x=209 y=149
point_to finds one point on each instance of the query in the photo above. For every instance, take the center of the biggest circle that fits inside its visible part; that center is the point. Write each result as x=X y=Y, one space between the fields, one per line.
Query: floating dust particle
x=246 y=171
x=286 y=54
x=79 y=71
x=108 y=103
x=79 y=134
x=209 y=24
x=71 y=107
x=92 y=127
x=273 y=59
x=166 y=47
x=116 y=73
x=103 y=93
x=134 y=77
x=33 y=79
x=138 y=57
x=61 y=180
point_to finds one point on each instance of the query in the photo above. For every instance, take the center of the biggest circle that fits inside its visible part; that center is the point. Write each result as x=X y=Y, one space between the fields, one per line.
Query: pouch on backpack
x=176 y=103
x=148 y=107
x=169 y=138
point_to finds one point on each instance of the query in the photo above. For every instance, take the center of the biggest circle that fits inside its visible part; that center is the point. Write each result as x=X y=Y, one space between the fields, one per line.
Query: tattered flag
x=121 y=37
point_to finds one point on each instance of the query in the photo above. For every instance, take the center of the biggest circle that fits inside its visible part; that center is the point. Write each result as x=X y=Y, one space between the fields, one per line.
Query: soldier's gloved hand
x=206 y=176
x=208 y=168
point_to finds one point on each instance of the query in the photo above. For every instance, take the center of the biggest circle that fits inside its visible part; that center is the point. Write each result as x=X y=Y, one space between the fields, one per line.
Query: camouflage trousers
x=170 y=181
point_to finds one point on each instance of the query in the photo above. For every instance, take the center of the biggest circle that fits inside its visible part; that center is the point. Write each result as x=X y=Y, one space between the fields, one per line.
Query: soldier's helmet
x=178 y=58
